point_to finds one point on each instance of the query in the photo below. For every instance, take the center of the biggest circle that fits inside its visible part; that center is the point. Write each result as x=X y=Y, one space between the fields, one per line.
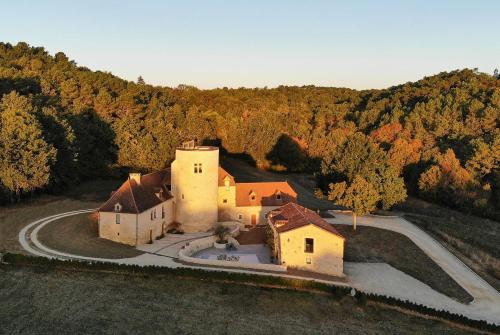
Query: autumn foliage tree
x=97 y=123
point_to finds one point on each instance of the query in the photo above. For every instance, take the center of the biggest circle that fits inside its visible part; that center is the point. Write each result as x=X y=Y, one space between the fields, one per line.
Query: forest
x=437 y=138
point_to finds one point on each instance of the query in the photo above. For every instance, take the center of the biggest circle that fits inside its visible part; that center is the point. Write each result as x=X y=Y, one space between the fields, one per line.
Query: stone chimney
x=135 y=176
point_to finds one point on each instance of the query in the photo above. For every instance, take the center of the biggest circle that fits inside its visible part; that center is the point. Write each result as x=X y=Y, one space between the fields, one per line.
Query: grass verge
x=273 y=308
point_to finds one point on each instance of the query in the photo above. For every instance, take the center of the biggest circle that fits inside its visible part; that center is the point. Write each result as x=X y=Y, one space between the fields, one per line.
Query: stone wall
x=196 y=193
x=327 y=256
x=185 y=254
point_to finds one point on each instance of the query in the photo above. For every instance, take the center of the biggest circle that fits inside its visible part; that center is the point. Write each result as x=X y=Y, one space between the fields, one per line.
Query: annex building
x=301 y=239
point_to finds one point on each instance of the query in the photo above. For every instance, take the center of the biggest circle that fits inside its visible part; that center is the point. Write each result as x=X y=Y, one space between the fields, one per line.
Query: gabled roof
x=292 y=216
x=135 y=198
x=157 y=179
x=223 y=174
x=275 y=193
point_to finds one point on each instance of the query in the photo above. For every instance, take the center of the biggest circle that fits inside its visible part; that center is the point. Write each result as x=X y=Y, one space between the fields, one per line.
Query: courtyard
x=251 y=253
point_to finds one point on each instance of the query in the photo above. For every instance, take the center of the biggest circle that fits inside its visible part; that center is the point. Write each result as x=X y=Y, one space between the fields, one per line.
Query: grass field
x=51 y=301
x=476 y=241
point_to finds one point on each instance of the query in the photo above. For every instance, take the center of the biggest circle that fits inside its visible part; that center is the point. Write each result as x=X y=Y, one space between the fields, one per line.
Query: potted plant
x=221 y=233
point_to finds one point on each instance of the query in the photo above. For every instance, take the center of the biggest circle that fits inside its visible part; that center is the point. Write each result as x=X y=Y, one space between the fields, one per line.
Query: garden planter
x=220 y=245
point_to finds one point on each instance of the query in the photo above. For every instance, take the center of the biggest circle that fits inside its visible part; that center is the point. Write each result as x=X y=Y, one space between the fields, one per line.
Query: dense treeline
x=60 y=123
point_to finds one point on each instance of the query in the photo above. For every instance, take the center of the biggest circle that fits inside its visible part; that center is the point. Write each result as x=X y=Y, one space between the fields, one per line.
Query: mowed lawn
x=14 y=217
x=368 y=244
x=79 y=235
x=51 y=301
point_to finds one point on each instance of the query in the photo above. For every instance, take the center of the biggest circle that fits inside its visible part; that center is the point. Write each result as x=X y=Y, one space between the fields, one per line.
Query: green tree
x=360 y=196
x=358 y=156
x=26 y=159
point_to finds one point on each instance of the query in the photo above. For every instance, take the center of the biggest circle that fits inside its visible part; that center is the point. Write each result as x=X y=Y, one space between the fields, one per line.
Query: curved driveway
x=377 y=278
x=486 y=298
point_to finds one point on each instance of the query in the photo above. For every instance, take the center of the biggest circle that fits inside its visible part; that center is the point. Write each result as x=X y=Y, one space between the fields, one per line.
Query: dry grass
x=475 y=240
x=14 y=217
x=60 y=302
x=78 y=235
x=368 y=244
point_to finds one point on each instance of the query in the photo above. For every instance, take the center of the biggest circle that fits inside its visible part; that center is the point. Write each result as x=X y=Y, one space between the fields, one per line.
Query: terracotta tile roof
x=157 y=179
x=222 y=176
x=264 y=194
x=293 y=216
x=136 y=198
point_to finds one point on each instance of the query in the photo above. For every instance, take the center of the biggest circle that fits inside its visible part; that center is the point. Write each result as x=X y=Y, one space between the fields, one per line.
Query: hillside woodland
x=437 y=138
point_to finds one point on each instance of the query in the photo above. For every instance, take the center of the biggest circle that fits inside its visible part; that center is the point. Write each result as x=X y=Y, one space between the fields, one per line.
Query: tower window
x=309 y=245
x=198 y=168
x=117 y=219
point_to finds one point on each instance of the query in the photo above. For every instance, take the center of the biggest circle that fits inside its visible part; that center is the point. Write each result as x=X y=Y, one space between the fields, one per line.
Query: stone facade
x=195 y=188
x=195 y=194
x=136 y=229
x=304 y=241
x=326 y=256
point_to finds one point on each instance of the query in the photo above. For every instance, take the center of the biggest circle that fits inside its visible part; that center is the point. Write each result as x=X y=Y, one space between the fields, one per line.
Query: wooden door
x=254 y=219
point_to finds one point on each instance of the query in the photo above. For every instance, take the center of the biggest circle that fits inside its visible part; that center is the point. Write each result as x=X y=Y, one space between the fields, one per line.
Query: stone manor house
x=192 y=196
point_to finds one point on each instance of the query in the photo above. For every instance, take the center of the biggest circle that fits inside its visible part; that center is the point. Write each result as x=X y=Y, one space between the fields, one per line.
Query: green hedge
x=336 y=291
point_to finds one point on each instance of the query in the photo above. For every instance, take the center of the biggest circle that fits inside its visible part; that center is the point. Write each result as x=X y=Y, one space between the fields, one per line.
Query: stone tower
x=195 y=187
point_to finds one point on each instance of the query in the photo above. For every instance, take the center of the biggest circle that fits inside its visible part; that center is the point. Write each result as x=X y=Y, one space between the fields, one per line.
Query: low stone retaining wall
x=193 y=247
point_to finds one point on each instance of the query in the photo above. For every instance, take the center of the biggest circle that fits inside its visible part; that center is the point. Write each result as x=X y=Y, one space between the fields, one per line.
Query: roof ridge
x=114 y=195
x=133 y=197
x=263 y=182
x=147 y=174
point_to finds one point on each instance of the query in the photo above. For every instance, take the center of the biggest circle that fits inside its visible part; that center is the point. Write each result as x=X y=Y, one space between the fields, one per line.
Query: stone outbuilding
x=301 y=239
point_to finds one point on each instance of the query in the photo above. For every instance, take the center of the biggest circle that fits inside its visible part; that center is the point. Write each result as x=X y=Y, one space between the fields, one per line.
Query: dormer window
x=278 y=196
x=118 y=207
x=252 y=196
